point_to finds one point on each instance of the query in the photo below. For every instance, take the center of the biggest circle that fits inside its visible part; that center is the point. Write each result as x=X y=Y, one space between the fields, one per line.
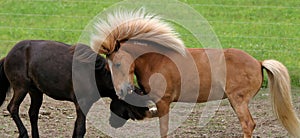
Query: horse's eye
x=117 y=65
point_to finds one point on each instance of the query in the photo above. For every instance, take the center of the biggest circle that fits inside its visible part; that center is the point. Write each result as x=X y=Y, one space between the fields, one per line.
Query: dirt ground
x=57 y=119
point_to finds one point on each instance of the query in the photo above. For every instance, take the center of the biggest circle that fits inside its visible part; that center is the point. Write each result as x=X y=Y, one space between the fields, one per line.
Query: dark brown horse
x=42 y=67
x=139 y=43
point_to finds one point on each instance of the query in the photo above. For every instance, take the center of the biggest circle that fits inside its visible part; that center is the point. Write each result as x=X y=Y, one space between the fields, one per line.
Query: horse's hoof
x=25 y=135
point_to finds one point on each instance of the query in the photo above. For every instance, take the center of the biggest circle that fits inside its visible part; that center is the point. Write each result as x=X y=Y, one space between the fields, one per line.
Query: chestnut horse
x=139 y=43
x=42 y=67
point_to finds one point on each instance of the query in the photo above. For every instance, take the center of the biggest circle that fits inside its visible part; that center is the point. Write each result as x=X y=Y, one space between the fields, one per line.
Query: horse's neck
x=103 y=79
x=105 y=84
x=146 y=65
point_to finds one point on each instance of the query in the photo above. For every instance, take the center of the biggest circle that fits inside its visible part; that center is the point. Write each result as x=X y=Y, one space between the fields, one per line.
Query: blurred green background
x=266 y=29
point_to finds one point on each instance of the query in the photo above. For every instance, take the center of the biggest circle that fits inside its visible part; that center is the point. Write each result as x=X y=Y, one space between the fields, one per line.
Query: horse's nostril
x=131 y=91
x=121 y=94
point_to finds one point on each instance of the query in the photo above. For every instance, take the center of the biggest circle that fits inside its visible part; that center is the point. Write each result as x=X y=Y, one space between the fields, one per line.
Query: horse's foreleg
x=36 y=102
x=163 y=114
x=13 y=108
x=240 y=107
x=80 y=126
x=79 y=129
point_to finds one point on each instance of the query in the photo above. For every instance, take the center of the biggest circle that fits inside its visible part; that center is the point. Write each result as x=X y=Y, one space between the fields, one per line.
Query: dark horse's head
x=132 y=107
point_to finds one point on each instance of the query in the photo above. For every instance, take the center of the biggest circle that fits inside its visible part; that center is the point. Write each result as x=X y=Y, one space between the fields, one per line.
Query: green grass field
x=267 y=29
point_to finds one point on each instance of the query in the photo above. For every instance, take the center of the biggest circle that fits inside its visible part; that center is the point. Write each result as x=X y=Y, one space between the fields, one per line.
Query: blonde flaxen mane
x=137 y=24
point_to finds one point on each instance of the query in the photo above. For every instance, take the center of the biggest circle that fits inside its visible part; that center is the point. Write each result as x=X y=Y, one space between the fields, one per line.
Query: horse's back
x=241 y=68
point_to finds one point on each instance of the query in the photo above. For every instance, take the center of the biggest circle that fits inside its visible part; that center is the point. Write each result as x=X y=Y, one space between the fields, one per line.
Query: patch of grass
x=265 y=29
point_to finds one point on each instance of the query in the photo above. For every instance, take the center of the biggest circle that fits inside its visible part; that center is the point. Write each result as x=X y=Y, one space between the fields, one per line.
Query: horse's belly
x=54 y=81
x=200 y=96
x=211 y=67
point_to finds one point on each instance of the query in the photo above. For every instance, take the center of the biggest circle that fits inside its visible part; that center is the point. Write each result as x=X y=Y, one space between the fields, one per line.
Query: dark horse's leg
x=36 y=102
x=80 y=126
x=13 y=108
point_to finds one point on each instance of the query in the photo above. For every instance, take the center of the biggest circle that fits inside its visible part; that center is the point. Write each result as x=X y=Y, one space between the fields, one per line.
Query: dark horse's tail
x=4 y=83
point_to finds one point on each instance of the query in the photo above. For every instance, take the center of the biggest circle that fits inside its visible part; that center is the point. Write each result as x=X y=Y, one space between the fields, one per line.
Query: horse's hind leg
x=240 y=105
x=36 y=102
x=13 y=108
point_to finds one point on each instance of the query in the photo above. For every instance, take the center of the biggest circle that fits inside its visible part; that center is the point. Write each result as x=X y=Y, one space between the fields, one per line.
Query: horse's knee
x=12 y=109
x=14 y=104
x=33 y=112
x=33 y=115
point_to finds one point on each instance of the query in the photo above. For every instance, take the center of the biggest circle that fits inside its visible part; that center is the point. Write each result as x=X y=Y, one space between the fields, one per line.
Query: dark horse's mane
x=85 y=54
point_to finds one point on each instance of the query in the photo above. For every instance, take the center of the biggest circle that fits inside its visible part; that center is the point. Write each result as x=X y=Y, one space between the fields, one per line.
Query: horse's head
x=119 y=114
x=121 y=64
x=121 y=111
x=122 y=26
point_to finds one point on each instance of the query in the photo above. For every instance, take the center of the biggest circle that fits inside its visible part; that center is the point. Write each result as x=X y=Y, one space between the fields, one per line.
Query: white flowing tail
x=279 y=83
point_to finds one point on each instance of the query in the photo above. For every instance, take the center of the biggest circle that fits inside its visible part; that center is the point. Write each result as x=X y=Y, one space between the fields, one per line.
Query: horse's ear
x=117 y=45
x=107 y=66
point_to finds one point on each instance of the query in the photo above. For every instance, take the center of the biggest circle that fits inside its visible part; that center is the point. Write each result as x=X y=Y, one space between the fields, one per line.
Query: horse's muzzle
x=126 y=89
